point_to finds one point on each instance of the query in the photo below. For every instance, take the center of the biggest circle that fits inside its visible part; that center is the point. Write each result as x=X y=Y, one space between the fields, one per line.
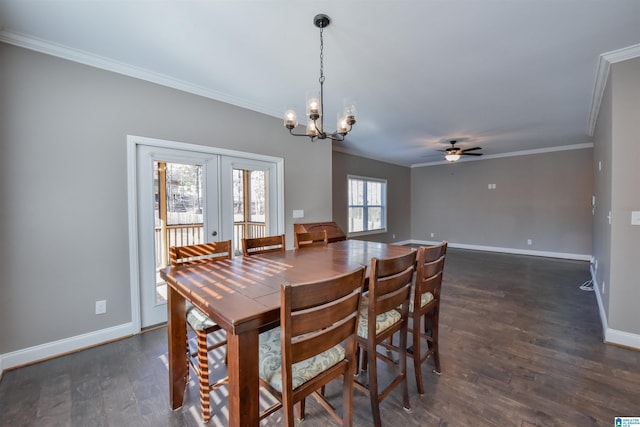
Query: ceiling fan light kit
x=315 y=101
x=452 y=157
x=453 y=153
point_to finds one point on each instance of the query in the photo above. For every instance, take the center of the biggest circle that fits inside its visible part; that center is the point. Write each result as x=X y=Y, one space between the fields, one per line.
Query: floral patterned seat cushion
x=383 y=321
x=270 y=359
x=197 y=319
x=425 y=298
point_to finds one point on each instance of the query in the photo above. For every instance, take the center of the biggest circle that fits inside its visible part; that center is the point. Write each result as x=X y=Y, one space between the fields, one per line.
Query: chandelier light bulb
x=342 y=126
x=313 y=106
x=290 y=119
x=312 y=129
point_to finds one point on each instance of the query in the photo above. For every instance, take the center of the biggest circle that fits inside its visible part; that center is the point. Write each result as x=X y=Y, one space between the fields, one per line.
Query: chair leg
x=301 y=406
x=434 y=340
x=403 y=368
x=347 y=400
x=417 y=353
x=287 y=408
x=203 y=374
x=373 y=387
x=365 y=359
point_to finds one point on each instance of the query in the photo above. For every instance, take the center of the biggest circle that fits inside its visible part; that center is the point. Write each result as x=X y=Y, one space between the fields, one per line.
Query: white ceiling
x=508 y=75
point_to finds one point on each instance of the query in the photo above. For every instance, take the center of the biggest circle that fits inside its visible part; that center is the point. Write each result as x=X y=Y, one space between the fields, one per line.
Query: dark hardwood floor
x=521 y=345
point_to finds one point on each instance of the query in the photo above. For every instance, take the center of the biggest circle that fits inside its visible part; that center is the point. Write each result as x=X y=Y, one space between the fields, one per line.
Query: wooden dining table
x=242 y=295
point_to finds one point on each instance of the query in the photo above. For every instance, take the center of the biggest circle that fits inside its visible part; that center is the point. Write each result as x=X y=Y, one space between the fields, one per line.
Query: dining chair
x=384 y=311
x=262 y=245
x=426 y=289
x=199 y=323
x=311 y=238
x=314 y=344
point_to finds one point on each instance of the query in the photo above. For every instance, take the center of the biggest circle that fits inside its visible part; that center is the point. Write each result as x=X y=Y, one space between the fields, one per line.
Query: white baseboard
x=402 y=243
x=622 y=338
x=563 y=255
x=60 y=347
x=612 y=336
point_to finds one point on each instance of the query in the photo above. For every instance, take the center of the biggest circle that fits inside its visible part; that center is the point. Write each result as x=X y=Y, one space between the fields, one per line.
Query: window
x=367 y=205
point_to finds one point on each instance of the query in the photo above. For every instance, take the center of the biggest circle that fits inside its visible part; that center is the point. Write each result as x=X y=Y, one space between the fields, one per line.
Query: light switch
x=298 y=213
x=635 y=217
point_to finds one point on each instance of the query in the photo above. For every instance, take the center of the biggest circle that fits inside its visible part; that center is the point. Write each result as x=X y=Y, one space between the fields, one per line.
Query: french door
x=181 y=194
x=178 y=204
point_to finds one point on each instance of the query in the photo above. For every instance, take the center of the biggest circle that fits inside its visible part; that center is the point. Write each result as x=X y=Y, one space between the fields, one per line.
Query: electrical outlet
x=529 y=242
x=101 y=306
x=393 y=236
x=432 y=235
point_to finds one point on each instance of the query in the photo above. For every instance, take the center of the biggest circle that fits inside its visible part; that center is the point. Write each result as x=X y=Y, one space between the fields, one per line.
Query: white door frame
x=133 y=142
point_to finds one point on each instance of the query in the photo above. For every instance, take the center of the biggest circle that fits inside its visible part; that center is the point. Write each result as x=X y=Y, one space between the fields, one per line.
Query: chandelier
x=315 y=107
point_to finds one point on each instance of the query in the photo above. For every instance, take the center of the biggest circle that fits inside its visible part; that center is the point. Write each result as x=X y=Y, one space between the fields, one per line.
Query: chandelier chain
x=321 y=79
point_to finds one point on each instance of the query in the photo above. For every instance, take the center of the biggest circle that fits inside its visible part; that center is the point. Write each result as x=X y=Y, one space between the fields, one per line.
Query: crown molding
x=108 y=64
x=602 y=73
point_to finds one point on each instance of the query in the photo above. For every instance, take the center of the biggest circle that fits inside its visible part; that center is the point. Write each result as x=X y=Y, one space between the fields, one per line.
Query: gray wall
x=63 y=185
x=617 y=149
x=542 y=197
x=398 y=194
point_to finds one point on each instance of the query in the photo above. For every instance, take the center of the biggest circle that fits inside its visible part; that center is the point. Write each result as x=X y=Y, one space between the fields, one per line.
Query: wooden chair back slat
x=312 y=238
x=263 y=245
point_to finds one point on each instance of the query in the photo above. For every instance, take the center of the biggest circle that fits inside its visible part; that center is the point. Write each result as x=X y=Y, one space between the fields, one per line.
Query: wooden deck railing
x=192 y=234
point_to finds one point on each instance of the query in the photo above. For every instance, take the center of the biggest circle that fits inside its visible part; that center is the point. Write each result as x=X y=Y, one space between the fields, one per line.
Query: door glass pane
x=249 y=205
x=238 y=196
x=184 y=194
x=257 y=196
x=178 y=212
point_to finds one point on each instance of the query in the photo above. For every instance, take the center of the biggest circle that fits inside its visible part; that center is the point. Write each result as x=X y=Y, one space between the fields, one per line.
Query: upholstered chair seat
x=270 y=357
x=383 y=321
x=425 y=299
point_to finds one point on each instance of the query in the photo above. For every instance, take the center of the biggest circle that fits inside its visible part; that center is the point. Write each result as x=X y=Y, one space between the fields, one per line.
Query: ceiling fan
x=453 y=153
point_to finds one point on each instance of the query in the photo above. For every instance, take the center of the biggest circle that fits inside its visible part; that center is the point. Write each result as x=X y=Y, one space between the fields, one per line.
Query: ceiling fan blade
x=471 y=154
x=472 y=149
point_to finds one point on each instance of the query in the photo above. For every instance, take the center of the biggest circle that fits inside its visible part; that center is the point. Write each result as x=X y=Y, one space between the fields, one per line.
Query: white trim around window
x=366 y=205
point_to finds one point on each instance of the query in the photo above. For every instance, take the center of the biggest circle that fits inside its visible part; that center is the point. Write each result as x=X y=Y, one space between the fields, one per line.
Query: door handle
x=214 y=233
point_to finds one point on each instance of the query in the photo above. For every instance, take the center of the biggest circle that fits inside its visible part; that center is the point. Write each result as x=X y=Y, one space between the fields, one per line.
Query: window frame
x=365 y=206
